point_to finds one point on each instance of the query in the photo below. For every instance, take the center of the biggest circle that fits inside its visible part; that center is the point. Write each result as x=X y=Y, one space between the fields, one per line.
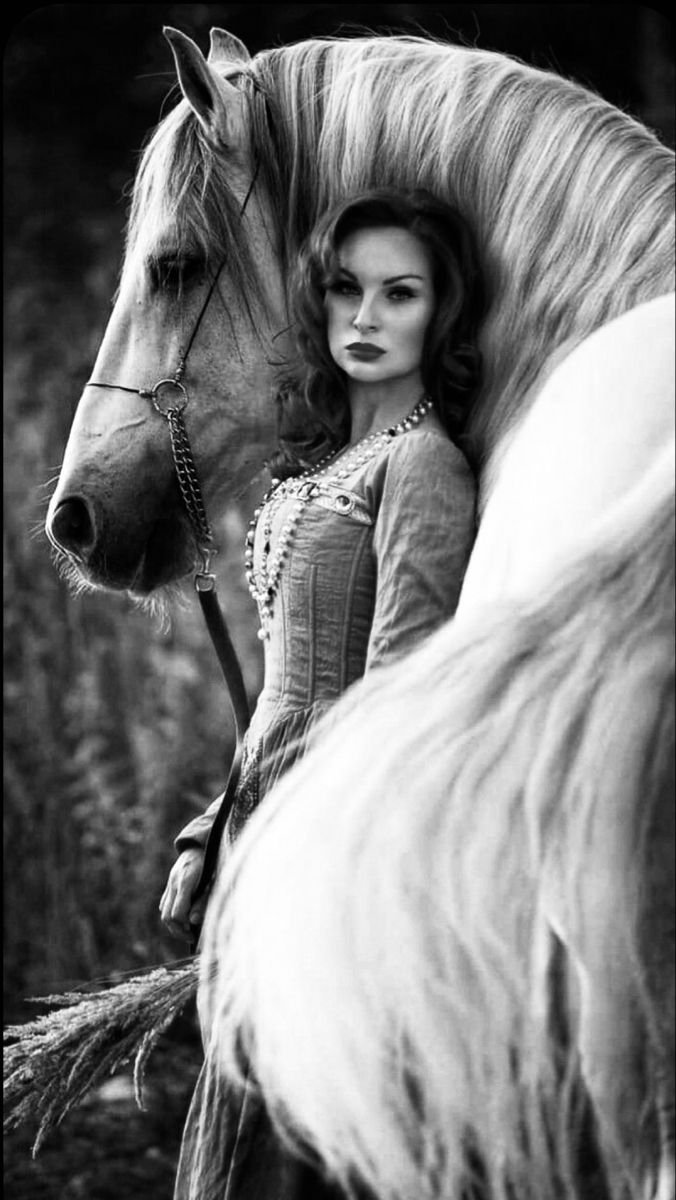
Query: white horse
x=571 y=201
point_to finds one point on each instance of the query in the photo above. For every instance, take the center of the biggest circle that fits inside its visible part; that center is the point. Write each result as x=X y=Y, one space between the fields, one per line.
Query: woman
x=357 y=551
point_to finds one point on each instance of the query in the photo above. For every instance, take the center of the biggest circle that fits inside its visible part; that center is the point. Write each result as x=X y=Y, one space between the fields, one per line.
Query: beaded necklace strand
x=264 y=584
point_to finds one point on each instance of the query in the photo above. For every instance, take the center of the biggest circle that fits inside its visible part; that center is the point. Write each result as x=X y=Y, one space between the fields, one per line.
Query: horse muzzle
x=110 y=555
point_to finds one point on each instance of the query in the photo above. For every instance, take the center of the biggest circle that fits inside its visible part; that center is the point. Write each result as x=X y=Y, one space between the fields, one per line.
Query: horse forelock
x=184 y=206
x=570 y=198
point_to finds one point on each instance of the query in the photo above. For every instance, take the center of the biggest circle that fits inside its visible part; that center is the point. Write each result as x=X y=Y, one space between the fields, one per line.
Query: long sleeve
x=422 y=539
x=196 y=832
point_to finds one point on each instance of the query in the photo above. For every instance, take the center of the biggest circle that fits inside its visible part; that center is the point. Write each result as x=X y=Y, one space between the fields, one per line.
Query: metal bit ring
x=166 y=408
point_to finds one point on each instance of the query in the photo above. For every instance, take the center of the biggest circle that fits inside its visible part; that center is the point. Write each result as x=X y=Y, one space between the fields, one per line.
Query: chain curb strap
x=186 y=470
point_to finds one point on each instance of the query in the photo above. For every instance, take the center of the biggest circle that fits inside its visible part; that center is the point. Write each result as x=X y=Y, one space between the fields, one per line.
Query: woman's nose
x=365 y=318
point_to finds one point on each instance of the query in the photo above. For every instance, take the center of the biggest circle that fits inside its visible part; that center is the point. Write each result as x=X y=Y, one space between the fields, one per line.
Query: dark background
x=116 y=729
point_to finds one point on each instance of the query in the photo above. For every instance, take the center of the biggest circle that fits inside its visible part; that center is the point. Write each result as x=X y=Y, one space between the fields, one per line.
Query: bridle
x=171 y=407
x=169 y=398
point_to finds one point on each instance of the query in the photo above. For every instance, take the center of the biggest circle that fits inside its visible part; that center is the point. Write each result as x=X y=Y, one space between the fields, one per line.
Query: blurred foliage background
x=116 y=728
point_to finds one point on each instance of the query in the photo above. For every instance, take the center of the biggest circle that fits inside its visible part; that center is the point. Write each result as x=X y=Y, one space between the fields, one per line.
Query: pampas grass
x=51 y=1063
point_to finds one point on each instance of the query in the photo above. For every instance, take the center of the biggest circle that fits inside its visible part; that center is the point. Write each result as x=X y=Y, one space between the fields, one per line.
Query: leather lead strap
x=227 y=657
x=220 y=637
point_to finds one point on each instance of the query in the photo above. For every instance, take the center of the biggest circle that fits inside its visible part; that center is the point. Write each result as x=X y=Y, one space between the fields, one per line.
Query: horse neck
x=569 y=198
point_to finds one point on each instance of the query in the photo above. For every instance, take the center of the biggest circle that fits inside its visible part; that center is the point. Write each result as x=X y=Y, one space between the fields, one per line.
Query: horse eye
x=171 y=273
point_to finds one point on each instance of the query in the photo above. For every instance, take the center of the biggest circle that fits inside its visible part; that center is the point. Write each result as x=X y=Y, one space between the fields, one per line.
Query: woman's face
x=380 y=305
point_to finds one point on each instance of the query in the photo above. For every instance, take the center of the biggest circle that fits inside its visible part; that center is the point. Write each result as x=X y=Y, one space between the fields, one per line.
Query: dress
x=376 y=562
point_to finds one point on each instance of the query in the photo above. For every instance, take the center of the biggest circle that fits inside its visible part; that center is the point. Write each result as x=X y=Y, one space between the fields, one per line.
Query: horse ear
x=214 y=100
x=226 y=48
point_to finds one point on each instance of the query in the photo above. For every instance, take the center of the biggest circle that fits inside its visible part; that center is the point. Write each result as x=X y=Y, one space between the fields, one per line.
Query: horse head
x=117 y=512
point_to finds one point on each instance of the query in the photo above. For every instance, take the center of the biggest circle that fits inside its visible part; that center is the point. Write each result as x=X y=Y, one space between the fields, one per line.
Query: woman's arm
x=176 y=907
x=196 y=832
x=423 y=535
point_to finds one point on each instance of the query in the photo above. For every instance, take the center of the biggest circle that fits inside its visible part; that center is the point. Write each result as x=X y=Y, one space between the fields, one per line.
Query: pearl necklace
x=304 y=487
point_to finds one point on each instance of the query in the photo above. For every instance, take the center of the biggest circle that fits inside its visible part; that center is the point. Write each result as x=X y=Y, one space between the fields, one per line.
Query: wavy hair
x=313 y=409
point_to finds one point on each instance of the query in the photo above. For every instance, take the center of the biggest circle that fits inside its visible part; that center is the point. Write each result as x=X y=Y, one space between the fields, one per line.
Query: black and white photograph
x=339 y=815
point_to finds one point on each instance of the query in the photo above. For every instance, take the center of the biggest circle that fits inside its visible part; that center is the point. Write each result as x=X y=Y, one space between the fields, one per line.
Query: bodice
x=323 y=606
x=375 y=564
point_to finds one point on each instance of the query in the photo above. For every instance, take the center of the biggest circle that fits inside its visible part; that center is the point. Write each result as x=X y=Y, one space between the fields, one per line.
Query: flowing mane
x=570 y=198
x=390 y=908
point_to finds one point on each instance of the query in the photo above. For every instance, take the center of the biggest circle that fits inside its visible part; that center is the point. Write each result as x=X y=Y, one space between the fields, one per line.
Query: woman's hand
x=178 y=912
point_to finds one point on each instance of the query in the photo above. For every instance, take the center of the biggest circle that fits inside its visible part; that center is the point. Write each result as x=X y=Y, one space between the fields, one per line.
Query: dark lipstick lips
x=366 y=349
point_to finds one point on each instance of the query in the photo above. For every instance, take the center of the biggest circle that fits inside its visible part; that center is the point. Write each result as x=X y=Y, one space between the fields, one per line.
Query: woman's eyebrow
x=392 y=279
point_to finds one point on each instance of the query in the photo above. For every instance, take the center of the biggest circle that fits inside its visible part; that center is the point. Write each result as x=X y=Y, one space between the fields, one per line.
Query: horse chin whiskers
x=85 y=578
x=157 y=606
x=160 y=603
x=73 y=575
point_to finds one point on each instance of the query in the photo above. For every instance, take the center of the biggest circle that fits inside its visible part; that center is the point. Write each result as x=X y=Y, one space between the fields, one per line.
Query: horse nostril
x=71 y=527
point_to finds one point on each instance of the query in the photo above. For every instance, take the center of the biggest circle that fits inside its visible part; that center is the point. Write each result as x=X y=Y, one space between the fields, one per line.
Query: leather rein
x=169 y=398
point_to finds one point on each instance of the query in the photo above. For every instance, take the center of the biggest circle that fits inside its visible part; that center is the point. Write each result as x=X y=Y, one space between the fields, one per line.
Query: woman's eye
x=343 y=288
x=401 y=294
